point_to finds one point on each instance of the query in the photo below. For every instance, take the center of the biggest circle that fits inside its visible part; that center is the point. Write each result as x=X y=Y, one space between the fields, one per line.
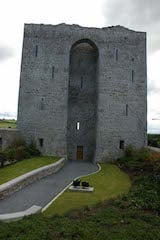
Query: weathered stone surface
x=8 y=136
x=18 y=183
x=112 y=104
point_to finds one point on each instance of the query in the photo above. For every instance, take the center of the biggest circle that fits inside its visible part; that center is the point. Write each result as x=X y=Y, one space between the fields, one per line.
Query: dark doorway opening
x=41 y=142
x=79 y=152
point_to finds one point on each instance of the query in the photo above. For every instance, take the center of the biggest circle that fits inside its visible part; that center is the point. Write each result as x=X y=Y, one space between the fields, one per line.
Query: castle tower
x=83 y=91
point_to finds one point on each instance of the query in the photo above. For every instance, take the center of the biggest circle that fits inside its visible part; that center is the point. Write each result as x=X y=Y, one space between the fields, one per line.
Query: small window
x=126 y=109
x=0 y=143
x=52 y=72
x=42 y=104
x=132 y=76
x=81 y=82
x=36 y=52
x=77 y=125
x=116 y=53
x=121 y=144
x=41 y=142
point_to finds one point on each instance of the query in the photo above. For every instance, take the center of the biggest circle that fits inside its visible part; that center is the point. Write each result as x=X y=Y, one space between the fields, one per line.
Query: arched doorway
x=82 y=101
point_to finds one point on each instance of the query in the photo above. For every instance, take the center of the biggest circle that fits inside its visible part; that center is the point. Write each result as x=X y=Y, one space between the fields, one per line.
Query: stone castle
x=83 y=91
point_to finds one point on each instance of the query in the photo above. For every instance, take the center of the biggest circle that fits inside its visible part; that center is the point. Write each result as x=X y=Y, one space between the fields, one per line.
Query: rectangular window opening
x=121 y=144
x=36 y=53
x=41 y=142
x=126 y=109
x=52 y=72
x=81 y=82
x=42 y=104
x=132 y=76
x=78 y=125
x=116 y=54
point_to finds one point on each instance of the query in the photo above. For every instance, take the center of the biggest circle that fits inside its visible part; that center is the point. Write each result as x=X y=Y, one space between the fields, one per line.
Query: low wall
x=7 y=136
x=18 y=183
x=154 y=149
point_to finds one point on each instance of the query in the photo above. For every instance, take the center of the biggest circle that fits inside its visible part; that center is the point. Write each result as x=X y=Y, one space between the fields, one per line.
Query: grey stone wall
x=18 y=183
x=120 y=96
x=7 y=136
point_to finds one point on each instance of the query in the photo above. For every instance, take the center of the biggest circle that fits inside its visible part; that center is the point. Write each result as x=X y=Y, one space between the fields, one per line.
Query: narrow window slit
x=81 y=82
x=36 y=53
x=78 y=125
x=42 y=104
x=132 y=76
x=52 y=72
x=126 y=109
x=116 y=54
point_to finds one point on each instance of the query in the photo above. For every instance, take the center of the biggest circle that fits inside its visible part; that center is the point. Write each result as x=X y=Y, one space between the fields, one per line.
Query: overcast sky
x=143 y=15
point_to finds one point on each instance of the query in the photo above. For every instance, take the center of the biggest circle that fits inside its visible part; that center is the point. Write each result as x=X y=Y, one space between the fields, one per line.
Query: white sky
x=136 y=14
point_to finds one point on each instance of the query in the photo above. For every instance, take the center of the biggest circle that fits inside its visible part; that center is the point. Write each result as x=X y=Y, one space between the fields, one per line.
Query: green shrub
x=154 y=140
x=18 y=150
x=32 y=150
x=21 y=153
x=17 y=142
x=143 y=154
x=129 y=151
x=141 y=159
x=10 y=154
x=153 y=161
x=131 y=163
x=146 y=195
x=2 y=158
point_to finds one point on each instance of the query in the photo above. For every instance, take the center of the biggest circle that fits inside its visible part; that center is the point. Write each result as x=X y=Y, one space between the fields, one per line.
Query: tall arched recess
x=82 y=101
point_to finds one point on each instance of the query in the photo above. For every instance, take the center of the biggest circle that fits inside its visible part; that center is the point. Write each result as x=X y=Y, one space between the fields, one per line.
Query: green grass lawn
x=12 y=171
x=109 y=183
x=6 y=123
x=134 y=216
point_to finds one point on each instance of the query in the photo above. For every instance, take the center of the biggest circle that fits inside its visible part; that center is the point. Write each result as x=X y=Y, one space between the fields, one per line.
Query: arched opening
x=82 y=101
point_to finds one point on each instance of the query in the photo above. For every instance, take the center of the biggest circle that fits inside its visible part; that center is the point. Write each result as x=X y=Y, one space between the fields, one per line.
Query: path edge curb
x=59 y=194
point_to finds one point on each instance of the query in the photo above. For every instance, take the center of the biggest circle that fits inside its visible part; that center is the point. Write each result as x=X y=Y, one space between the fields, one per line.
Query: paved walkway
x=43 y=191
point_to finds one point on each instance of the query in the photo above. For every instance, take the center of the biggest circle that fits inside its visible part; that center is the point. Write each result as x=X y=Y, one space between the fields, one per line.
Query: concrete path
x=43 y=191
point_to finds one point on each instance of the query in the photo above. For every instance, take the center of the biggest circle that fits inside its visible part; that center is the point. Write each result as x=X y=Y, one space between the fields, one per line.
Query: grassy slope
x=106 y=223
x=7 y=123
x=22 y=167
x=108 y=183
